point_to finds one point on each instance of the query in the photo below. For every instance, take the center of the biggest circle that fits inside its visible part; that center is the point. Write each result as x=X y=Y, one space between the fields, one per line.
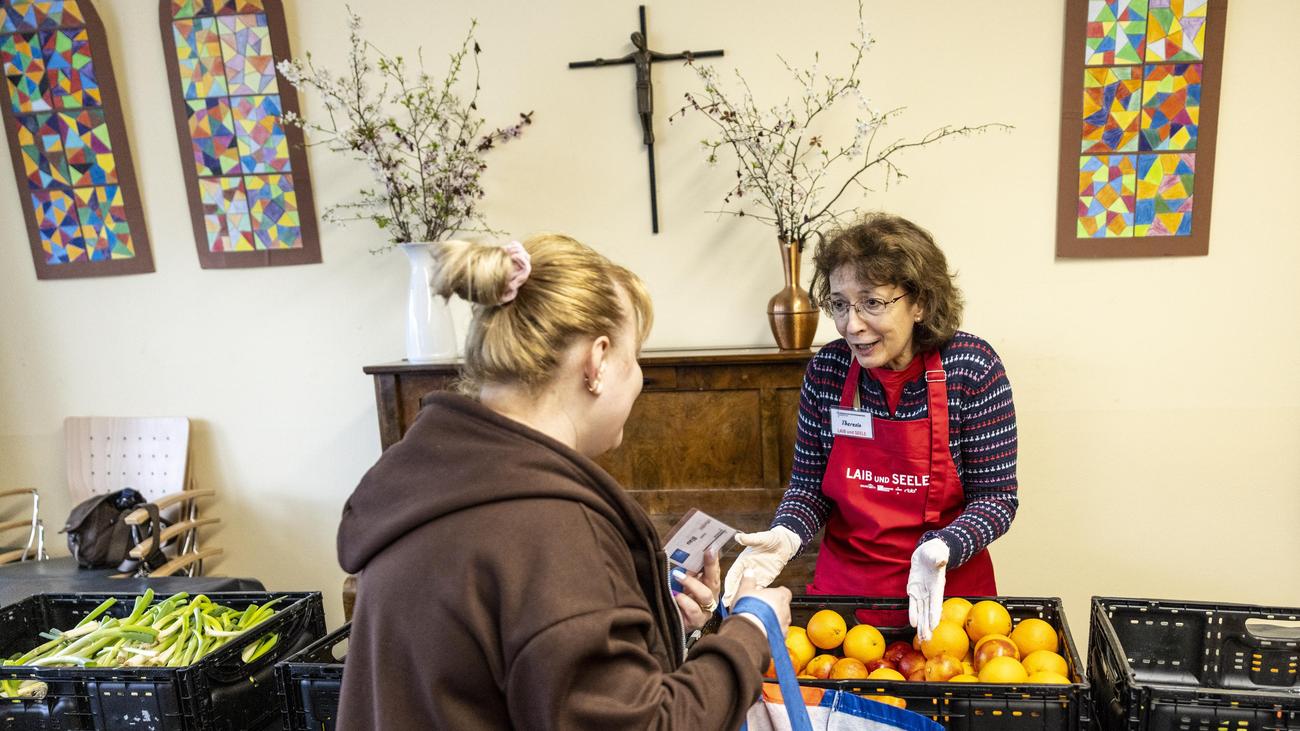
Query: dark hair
x=886 y=249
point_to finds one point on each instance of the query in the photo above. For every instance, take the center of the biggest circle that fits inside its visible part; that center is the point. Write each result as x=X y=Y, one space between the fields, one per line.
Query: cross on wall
x=643 y=58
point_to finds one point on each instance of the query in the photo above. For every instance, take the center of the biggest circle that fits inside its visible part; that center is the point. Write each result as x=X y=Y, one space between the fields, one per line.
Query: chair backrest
x=105 y=454
x=152 y=455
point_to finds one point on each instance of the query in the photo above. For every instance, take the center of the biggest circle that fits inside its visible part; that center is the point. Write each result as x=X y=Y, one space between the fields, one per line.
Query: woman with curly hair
x=906 y=445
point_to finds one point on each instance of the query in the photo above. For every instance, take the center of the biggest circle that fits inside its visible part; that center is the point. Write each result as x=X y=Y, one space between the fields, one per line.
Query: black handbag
x=99 y=537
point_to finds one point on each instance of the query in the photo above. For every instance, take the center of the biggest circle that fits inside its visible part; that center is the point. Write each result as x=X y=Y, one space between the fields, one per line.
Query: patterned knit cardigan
x=982 y=437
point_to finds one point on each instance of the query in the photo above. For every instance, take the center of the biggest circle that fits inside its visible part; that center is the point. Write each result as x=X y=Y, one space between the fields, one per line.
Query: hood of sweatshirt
x=460 y=454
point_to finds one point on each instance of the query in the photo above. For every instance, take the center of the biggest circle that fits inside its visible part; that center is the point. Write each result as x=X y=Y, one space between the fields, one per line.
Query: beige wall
x=1159 y=408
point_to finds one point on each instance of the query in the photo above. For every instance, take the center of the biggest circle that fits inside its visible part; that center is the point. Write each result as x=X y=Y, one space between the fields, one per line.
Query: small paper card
x=694 y=533
x=851 y=423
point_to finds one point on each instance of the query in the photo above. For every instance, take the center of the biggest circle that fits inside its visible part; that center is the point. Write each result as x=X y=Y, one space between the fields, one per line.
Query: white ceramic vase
x=430 y=332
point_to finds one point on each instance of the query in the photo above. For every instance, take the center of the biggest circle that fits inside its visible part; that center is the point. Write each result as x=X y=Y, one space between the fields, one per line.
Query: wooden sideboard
x=713 y=429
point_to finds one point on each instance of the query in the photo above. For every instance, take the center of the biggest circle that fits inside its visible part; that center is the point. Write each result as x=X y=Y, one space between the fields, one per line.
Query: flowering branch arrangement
x=419 y=136
x=790 y=176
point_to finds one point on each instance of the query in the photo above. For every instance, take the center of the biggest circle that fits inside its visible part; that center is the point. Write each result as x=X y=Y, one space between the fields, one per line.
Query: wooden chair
x=33 y=548
x=150 y=454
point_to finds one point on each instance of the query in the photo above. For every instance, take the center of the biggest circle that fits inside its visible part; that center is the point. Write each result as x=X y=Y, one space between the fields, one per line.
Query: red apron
x=888 y=491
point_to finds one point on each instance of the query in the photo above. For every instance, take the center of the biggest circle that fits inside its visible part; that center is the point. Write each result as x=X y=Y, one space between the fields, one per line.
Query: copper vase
x=791 y=312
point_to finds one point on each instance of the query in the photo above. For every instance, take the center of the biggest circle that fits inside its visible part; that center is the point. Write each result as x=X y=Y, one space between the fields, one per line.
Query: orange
x=1034 y=634
x=848 y=668
x=801 y=650
x=885 y=674
x=987 y=618
x=986 y=638
x=865 y=643
x=955 y=610
x=1003 y=669
x=941 y=668
x=963 y=678
x=892 y=700
x=948 y=639
x=1040 y=661
x=826 y=629
x=820 y=666
x=967 y=668
x=1046 y=678
x=995 y=647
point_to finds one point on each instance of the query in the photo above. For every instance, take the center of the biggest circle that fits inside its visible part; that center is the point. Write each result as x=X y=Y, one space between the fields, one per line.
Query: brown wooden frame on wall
x=1195 y=242
x=111 y=106
x=309 y=252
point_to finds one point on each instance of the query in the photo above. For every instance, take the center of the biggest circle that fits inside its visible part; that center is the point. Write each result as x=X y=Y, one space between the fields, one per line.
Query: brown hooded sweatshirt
x=507 y=581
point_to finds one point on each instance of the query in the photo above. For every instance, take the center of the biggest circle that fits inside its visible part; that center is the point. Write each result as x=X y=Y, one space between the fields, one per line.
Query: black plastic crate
x=219 y=692
x=310 y=682
x=1192 y=666
x=968 y=706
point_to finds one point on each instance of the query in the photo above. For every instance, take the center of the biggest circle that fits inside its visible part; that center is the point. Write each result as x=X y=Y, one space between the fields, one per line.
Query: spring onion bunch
x=174 y=632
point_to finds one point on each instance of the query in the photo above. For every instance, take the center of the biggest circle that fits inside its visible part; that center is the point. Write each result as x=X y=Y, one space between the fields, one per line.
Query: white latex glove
x=766 y=553
x=925 y=586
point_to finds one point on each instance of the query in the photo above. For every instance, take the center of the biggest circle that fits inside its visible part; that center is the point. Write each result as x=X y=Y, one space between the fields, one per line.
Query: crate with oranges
x=992 y=662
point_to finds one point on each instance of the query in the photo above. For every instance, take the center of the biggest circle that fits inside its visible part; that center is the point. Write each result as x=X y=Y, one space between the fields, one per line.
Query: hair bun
x=478 y=273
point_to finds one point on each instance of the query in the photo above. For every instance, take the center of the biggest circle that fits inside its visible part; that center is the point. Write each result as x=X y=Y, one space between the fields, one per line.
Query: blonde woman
x=506 y=581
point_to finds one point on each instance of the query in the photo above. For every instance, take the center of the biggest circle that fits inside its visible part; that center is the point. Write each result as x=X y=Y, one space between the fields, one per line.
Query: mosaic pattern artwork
x=1141 y=87
x=190 y=8
x=251 y=187
x=70 y=72
x=24 y=70
x=103 y=222
x=87 y=148
x=225 y=212
x=64 y=121
x=1112 y=98
x=198 y=51
x=262 y=145
x=246 y=43
x=1164 y=200
x=22 y=14
x=40 y=141
x=1176 y=30
x=273 y=207
x=212 y=132
x=1171 y=106
x=1107 y=186
x=1116 y=31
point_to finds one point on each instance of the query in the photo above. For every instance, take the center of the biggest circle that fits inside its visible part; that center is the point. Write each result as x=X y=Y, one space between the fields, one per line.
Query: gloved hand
x=925 y=586
x=766 y=553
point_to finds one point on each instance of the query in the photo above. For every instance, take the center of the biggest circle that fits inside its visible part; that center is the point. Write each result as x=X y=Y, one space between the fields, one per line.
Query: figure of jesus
x=643 y=57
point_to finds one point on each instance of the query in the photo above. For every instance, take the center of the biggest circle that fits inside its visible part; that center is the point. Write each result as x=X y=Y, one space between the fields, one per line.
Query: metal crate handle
x=1273 y=630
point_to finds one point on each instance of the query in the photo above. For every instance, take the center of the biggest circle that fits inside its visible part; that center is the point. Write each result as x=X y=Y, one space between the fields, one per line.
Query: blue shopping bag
x=809 y=709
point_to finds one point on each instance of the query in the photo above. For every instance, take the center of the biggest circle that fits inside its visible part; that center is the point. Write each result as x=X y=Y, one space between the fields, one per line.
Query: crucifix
x=642 y=58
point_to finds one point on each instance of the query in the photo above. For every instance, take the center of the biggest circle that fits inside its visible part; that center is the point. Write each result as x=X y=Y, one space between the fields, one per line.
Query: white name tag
x=850 y=423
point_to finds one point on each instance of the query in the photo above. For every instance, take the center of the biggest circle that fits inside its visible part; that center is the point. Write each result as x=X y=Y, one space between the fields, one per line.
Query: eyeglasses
x=838 y=308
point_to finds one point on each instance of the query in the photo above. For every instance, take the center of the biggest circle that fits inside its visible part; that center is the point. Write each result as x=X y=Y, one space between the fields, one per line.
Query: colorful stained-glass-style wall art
x=1140 y=106
x=68 y=143
x=245 y=171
